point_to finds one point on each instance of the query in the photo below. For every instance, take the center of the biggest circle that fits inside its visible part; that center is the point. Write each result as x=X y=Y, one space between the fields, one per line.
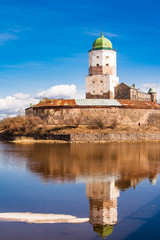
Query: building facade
x=102 y=81
x=102 y=76
x=124 y=91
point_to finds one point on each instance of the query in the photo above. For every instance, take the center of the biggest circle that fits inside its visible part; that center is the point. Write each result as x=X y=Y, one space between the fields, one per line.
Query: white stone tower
x=102 y=76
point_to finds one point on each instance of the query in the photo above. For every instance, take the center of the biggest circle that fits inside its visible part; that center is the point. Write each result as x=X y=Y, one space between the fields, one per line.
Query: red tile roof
x=138 y=104
x=56 y=103
x=125 y=103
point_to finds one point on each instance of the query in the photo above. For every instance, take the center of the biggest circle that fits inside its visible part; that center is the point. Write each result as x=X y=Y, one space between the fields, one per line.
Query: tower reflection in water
x=102 y=196
x=107 y=169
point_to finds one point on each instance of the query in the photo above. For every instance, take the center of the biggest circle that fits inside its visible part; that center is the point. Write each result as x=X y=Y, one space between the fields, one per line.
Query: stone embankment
x=86 y=138
x=114 y=137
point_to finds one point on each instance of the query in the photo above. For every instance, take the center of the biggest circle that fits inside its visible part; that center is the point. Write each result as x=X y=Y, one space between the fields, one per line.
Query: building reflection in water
x=106 y=169
x=102 y=196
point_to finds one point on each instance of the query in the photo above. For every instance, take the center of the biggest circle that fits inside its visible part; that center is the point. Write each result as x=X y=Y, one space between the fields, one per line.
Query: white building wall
x=113 y=82
x=100 y=84
x=103 y=58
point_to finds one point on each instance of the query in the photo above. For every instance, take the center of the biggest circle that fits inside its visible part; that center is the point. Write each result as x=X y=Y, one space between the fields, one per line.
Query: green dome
x=152 y=90
x=102 y=43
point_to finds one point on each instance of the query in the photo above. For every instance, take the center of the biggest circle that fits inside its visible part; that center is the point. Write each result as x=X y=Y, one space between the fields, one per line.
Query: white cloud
x=13 y=104
x=5 y=37
x=11 y=34
x=21 y=96
x=16 y=103
x=59 y=91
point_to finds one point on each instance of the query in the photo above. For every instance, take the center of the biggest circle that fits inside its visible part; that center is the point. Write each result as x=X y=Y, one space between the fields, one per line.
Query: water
x=115 y=185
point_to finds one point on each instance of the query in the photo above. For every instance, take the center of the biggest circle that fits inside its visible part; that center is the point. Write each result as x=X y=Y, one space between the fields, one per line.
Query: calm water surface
x=116 y=185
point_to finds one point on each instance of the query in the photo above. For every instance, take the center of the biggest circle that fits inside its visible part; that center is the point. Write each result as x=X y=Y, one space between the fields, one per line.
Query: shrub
x=114 y=123
x=153 y=120
x=98 y=123
x=22 y=124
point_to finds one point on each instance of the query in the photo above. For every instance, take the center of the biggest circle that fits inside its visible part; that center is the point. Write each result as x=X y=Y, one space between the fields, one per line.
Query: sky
x=44 y=46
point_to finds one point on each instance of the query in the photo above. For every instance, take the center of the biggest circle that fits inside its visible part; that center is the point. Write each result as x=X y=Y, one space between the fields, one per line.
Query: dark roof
x=128 y=85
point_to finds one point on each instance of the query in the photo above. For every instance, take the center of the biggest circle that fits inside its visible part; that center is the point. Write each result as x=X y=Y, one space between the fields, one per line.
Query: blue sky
x=45 y=43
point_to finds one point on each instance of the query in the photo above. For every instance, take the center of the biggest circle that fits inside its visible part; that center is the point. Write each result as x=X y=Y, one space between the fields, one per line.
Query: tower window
x=107 y=56
x=97 y=56
x=97 y=65
x=107 y=64
x=101 y=81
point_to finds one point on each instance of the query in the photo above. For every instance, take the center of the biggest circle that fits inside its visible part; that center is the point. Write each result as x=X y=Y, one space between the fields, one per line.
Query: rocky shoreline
x=85 y=138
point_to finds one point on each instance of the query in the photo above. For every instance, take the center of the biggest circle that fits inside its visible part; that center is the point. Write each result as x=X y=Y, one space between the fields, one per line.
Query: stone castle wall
x=88 y=115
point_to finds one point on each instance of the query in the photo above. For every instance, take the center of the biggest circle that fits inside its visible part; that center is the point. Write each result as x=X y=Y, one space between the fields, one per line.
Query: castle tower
x=102 y=76
x=153 y=93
